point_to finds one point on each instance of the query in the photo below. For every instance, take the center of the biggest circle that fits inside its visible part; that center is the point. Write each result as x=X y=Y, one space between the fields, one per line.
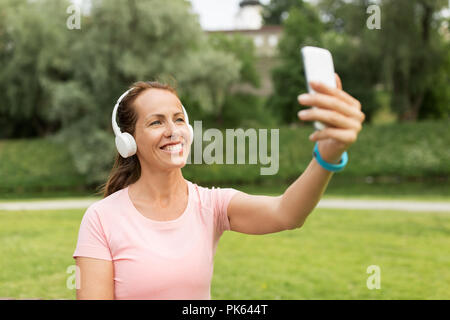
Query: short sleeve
x=221 y=197
x=92 y=241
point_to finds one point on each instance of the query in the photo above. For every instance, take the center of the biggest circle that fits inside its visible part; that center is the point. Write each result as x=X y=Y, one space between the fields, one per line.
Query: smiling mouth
x=173 y=148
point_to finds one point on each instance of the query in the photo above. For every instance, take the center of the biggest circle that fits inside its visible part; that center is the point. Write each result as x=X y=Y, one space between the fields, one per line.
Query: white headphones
x=125 y=143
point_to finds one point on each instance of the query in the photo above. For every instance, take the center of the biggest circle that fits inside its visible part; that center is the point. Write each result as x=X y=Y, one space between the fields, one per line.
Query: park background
x=58 y=86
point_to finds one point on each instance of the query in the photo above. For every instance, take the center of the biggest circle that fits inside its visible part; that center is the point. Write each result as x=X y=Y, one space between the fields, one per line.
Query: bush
x=38 y=165
x=402 y=150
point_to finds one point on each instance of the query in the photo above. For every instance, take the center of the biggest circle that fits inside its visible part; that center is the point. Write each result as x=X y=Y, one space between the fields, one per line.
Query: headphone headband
x=115 y=126
x=125 y=143
x=114 y=114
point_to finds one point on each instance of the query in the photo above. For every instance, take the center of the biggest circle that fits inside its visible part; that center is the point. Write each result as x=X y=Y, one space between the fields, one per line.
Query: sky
x=217 y=14
x=213 y=14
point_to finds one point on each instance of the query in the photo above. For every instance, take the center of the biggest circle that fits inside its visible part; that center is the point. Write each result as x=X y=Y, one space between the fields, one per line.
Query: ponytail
x=125 y=171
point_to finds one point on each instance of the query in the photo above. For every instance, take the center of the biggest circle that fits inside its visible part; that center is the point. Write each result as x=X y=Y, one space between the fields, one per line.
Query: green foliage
x=61 y=82
x=31 y=49
x=38 y=165
x=403 y=150
x=65 y=82
x=301 y=28
x=436 y=104
x=359 y=81
x=406 y=56
x=410 y=42
x=247 y=111
x=409 y=149
x=276 y=11
x=243 y=49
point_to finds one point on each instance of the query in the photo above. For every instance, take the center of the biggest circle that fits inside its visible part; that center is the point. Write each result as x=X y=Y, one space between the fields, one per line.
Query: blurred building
x=249 y=15
x=249 y=22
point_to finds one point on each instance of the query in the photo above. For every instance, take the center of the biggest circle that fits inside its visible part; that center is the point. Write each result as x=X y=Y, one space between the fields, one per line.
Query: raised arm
x=264 y=214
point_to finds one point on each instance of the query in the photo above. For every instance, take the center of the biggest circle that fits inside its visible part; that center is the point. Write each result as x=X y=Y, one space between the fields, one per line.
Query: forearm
x=343 y=116
x=301 y=197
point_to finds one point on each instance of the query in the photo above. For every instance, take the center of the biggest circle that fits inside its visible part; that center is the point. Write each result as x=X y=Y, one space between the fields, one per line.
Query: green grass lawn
x=326 y=259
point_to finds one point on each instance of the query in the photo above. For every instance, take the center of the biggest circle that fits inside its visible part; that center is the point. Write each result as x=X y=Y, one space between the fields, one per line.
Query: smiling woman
x=155 y=234
x=127 y=170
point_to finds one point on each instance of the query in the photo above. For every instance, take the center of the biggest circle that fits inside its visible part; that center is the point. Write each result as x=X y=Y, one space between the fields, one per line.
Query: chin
x=174 y=161
x=179 y=163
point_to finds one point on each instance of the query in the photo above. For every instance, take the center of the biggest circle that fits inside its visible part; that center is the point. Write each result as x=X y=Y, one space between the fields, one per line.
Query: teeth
x=176 y=147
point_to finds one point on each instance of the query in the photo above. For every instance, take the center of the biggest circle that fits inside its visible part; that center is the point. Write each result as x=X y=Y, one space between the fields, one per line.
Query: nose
x=172 y=130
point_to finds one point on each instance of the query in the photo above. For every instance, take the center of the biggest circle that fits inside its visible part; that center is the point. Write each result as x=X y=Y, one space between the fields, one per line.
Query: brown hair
x=126 y=171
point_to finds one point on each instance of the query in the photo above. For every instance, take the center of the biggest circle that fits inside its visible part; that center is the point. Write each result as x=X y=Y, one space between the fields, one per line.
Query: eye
x=180 y=119
x=157 y=121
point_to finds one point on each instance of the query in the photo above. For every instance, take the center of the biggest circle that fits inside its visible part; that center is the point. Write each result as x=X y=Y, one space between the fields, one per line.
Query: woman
x=154 y=235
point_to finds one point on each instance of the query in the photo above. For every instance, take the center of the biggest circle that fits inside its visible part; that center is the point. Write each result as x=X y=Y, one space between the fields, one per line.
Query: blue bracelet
x=330 y=166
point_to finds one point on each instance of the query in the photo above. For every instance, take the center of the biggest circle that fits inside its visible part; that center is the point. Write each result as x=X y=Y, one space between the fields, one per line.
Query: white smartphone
x=319 y=67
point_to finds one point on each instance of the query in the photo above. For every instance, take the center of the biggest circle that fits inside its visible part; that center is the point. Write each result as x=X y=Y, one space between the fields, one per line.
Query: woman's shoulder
x=209 y=189
x=111 y=202
x=211 y=196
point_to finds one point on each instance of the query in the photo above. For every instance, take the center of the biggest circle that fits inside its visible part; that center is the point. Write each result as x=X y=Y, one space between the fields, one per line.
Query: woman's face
x=162 y=134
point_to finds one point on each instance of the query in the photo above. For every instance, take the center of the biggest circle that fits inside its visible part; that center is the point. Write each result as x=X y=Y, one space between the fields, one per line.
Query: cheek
x=148 y=138
x=186 y=134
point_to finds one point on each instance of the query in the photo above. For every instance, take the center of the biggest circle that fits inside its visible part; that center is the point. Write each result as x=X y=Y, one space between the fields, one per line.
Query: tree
x=276 y=11
x=436 y=102
x=32 y=43
x=243 y=49
x=68 y=80
x=356 y=50
x=411 y=43
x=402 y=58
x=302 y=27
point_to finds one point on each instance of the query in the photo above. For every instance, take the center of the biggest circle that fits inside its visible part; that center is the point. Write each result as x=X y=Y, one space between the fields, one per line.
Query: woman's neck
x=162 y=187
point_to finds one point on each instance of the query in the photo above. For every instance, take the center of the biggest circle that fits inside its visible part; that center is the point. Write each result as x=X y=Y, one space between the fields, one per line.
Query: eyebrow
x=160 y=115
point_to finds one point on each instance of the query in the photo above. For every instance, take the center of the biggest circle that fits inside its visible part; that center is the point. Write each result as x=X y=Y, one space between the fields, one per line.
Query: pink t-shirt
x=157 y=259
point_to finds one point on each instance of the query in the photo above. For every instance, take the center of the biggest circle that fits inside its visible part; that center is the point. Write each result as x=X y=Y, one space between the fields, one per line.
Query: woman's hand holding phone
x=339 y=111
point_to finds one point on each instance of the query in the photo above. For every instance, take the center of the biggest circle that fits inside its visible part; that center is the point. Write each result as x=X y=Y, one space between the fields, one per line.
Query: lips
x=170 y=143
x=172 y=147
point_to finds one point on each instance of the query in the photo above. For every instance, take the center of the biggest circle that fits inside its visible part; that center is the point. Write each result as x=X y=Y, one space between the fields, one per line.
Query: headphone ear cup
x=126 y=145
x=133 y=146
